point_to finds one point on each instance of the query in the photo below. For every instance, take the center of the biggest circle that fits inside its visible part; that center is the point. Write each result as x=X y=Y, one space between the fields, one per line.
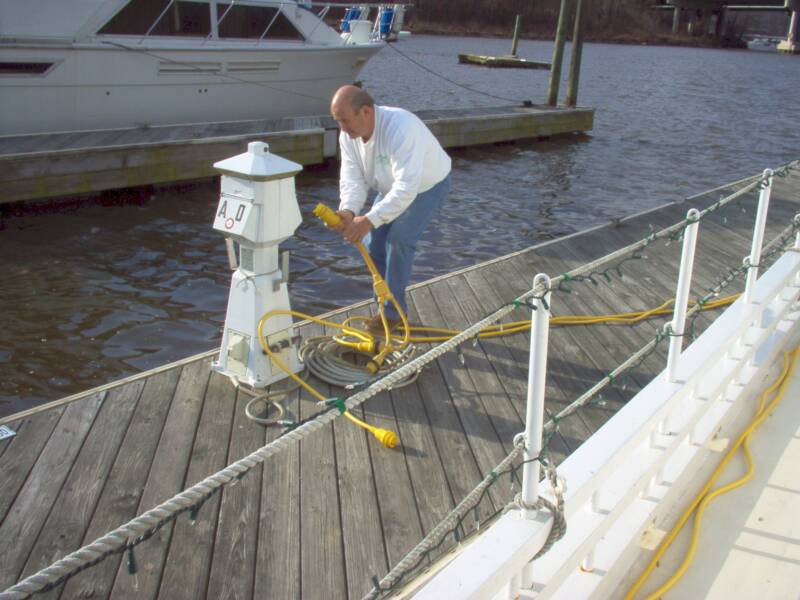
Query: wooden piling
x=575 y=59
x=515 y=38
x=558 y=54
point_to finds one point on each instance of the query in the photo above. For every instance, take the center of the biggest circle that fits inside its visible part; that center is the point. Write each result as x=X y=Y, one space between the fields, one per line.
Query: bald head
x=354 y=111
x=353 y=97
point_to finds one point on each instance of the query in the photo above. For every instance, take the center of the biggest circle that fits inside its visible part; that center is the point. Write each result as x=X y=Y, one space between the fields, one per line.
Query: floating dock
x=323 y=518
x=33 y=167
x=501 y=62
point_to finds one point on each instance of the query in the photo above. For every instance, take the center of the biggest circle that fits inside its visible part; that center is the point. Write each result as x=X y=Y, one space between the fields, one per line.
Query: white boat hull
x=101 y=87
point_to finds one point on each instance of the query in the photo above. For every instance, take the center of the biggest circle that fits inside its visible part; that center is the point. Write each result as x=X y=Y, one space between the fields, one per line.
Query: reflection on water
x=94 y=291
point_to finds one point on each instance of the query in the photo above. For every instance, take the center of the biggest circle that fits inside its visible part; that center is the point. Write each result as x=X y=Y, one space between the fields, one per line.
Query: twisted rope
x=445 y=526
x=559 y=528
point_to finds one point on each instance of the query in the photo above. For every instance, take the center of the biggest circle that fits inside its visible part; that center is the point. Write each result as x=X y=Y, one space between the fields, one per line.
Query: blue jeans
x=393 y=245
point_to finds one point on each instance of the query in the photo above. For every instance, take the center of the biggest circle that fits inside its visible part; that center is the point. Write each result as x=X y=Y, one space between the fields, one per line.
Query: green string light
x=132 y=568
x=336 y=402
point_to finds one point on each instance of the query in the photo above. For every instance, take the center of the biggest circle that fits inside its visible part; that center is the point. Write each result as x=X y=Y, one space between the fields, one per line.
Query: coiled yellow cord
x=386 y=437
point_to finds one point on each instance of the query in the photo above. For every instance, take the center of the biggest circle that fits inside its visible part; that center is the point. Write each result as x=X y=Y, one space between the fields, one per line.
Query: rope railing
x=142 y=527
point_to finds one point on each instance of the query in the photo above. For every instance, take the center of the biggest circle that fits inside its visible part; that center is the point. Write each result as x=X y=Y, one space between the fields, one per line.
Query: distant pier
x=34 y=167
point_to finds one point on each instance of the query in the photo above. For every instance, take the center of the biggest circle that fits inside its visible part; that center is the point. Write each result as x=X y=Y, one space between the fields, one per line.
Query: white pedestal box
x=258 y=210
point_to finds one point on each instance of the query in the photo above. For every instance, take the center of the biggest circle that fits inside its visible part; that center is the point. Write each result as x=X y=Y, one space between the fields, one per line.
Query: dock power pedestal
x=257 y=211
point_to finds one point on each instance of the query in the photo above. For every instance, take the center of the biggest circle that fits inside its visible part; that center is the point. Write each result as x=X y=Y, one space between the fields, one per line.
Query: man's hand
x=357 y=229
x=347 y=218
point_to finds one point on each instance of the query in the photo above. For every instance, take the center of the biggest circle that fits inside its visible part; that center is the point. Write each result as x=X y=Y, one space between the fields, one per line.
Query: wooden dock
x=502 y=62
x=322 y=519
x=43 y=166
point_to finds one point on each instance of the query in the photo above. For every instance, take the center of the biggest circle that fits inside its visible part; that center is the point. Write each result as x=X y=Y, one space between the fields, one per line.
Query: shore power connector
x=257 y=210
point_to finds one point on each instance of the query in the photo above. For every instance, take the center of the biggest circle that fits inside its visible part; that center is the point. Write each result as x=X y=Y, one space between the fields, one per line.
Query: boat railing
x=642 y=455
x=216 y=20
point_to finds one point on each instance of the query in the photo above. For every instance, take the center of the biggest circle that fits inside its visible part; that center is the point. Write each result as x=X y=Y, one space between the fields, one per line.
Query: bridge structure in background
x=711 y=16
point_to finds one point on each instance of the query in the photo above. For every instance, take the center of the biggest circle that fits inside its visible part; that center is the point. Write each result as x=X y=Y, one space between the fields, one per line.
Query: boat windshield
x=194 y=19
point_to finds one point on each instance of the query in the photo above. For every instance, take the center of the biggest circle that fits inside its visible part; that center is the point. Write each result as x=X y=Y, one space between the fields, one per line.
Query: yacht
x=105 y=64
x=765 y=44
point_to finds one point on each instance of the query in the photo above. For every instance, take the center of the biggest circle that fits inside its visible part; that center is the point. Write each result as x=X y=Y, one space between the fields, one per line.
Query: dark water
x=94 y=291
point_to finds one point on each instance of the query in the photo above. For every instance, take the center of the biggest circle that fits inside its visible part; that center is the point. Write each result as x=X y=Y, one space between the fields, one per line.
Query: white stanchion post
x=758 y=237
x=682 y=294
x=534 y=415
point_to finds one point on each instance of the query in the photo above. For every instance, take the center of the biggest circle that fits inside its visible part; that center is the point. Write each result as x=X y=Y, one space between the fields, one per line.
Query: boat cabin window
x=182 y=18
x=250 y=22
x=186 y=18
x=24 y=68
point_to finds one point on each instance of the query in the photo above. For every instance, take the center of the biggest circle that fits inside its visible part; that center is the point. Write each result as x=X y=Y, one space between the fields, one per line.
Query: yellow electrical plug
x=327 y=214
x=385 y=436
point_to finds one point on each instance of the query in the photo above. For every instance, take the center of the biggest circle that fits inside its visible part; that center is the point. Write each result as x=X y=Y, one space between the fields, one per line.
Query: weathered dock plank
x=234 y=558
x=481 y=435
x=459 y=462
x=568 y=366
x=431 y=497
x=23 y=452
x=31 y=507
x=361 y=497
x=188 y=561
x=322 y=566
x=277 y=572
x=167 y=477
x=122 y=491
x=72 y=510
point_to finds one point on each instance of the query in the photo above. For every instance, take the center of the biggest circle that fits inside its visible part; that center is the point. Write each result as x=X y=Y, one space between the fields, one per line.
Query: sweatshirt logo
x=382 y=159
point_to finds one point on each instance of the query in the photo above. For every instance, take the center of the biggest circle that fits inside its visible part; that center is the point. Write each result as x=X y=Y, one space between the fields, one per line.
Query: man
x=392 y=152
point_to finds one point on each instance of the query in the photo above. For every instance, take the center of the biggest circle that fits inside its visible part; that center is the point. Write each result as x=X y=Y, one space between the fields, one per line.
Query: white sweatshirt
x=401 y=159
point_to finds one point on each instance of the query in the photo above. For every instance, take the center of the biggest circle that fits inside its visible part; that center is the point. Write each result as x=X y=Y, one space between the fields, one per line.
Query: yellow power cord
x=382 y=294
x=628 y=318
x=386 y=437
x=363 y=341
x=367 y=342
x=703 y=499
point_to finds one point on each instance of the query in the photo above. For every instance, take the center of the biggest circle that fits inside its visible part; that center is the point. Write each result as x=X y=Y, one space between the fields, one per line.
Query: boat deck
x=749 y=542
x=58 y=164
x=321 y=519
